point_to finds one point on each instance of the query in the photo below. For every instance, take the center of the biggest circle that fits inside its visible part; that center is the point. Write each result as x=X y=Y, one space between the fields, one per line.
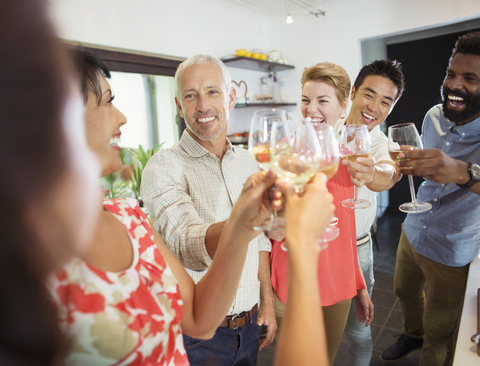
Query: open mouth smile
x=368 y=118
x=455 y=102
x=115 y=141
x=205 y=119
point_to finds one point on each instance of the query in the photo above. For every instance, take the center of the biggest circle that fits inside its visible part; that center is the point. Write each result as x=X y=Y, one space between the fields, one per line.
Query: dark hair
x=390 y=69
x=90 y=64
x=34 y=85
x=468 y=44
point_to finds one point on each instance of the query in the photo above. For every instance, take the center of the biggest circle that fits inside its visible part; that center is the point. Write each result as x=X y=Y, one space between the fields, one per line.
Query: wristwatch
x=474 y=171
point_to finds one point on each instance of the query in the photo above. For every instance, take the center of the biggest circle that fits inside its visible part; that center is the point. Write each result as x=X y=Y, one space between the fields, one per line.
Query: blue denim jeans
x=227 y=347
x=359 y=336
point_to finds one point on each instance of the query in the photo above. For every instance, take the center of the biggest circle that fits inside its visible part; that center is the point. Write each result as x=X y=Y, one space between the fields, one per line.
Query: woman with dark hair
x=47 y=185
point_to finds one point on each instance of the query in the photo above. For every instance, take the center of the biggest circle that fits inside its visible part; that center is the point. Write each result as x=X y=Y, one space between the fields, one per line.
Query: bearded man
x=437 y=246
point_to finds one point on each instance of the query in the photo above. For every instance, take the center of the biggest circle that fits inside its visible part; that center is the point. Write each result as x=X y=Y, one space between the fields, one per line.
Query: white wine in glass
x=295 y=156
x=329 y=161
x=259 y=141
x=355 y=143
x=403 y=137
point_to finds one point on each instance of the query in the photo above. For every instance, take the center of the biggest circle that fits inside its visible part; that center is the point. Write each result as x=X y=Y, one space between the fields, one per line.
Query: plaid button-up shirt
x=186 y=189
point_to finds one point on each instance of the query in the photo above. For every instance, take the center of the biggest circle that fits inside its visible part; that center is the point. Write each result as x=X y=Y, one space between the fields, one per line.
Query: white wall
x=170 y=27
x=218 y=27
x=336 y=37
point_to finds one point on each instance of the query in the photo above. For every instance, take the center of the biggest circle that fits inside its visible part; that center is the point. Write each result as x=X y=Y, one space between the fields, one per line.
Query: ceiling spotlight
x=289 y=19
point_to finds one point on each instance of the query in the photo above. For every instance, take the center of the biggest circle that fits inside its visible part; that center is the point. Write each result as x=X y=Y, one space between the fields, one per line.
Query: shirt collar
x=194 y=149
x=470 y=128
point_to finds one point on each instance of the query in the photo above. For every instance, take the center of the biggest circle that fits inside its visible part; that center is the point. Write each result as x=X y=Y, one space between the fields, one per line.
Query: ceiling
x=275 y=6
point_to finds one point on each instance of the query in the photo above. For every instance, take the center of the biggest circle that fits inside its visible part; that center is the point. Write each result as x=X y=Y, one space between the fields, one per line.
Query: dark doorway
x=424 y=65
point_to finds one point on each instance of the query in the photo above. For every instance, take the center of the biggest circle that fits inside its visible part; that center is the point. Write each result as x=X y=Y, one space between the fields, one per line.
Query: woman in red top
x=325 y=91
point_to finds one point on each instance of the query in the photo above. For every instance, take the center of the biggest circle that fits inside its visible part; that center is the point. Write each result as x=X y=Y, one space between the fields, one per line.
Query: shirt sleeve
x=380 y=148
x=164 y=192
x=264 y=244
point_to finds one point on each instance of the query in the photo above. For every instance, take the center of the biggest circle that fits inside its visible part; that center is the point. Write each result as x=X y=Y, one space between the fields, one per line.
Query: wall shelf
x=265 y=105
x=255 y=64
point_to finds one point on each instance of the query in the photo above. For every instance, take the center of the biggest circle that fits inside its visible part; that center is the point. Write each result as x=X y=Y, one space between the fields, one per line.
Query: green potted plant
x=140 y=159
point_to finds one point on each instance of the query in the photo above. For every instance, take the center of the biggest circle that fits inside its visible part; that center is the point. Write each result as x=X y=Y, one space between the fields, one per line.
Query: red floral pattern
x=131 y=317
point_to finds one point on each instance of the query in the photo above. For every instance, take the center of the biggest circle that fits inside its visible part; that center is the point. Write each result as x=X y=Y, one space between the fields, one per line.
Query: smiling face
x=320 y=103
x=372 y=102
x=204 y=102
x=461 y=89
x=103 y=122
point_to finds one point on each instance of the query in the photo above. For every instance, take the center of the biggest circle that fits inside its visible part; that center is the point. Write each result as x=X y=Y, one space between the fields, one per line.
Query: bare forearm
x=266 y=293
x=384 y=178
x=212 y=237
x=303 y=317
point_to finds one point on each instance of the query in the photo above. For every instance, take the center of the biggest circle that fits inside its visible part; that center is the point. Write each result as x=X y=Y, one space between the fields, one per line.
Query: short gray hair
x=198 y=60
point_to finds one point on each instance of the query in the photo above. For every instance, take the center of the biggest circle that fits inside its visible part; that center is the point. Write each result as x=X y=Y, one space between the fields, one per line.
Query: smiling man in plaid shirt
x=190 y=190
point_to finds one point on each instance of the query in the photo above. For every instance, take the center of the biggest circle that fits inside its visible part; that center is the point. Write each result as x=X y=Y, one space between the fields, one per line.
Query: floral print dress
x=131 y=317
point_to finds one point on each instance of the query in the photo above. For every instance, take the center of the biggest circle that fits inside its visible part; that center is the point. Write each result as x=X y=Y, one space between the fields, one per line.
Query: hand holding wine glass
x=403 y=137
x=355 y=143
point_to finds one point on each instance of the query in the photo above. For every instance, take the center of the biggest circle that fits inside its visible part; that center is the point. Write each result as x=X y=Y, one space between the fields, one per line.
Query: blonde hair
x=332 y=74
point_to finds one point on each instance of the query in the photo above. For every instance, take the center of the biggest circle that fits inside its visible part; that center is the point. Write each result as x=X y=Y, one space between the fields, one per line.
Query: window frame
x=137 y=62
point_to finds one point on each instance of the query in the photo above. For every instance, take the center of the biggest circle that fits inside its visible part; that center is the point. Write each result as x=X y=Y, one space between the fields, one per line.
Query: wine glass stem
x=412 y=190
x=355 y=199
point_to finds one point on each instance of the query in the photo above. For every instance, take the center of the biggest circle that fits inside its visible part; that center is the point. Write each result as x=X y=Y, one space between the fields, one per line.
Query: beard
x=472 y=105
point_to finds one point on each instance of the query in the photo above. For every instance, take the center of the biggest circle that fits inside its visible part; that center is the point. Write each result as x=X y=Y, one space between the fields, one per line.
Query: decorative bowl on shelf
x=238 y=138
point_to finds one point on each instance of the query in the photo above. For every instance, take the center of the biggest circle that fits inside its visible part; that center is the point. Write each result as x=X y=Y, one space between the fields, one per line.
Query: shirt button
x=424 y=227
x=463 y=134
x=435 y=199
x=431 y=211
x=239 y=286
x=447 y=143
x=443 y=184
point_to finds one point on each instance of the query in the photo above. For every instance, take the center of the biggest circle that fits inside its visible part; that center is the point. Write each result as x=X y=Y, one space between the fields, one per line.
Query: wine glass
x=295 y=157
x=259 y=143
x=355 y=143
x=260 y=134
x=329 y=161
x=403 y=137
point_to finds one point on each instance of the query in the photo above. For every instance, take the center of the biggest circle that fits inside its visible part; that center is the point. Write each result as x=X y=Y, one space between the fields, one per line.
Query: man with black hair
x=437 y=246
x=377 y=88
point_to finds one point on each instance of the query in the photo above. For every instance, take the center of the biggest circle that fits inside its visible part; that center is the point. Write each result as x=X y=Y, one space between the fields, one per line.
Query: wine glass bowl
x=260 y=134
x=329 y=162
x=404 y=137
x=259 y=143
x=295 y=157
x=355 y=143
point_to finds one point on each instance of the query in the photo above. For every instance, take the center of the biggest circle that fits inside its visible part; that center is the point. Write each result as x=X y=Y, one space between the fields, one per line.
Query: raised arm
x=302 y=340
x=379 y=172
x=207 y=303
x=164 y=191
x=435 y=165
